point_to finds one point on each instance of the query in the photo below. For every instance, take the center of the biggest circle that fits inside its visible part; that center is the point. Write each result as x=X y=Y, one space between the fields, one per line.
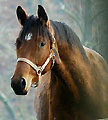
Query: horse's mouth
x=19 y=92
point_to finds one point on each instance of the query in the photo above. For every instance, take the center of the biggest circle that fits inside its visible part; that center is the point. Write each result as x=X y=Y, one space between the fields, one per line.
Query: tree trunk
x=101 y=27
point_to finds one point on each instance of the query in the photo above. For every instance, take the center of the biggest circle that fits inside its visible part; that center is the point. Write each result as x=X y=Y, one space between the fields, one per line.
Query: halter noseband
x=40 y=69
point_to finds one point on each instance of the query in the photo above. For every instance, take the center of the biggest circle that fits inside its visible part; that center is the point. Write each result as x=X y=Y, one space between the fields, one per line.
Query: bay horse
x=71 y=80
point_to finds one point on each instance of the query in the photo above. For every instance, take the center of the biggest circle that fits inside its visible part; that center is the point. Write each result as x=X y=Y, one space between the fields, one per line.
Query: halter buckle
x=39 y=71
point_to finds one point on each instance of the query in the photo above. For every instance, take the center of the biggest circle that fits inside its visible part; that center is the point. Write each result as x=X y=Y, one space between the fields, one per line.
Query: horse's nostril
x=23 y=83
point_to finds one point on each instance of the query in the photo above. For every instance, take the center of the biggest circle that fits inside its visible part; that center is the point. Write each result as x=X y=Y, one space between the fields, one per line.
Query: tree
x=101 y=26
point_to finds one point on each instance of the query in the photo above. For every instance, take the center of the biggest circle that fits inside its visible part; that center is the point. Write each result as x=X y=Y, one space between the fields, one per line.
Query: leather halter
x=40 y=69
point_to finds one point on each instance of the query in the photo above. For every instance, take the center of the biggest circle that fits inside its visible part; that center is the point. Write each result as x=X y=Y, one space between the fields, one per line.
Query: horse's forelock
x=34 y=25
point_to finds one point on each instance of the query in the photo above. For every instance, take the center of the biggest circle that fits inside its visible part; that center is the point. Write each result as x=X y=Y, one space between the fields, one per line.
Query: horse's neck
x=53 y=99
x=64 y=92
x=72 y=62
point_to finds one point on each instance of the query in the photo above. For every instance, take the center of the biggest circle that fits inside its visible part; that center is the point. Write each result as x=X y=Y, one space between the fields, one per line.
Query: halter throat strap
x=38 y=69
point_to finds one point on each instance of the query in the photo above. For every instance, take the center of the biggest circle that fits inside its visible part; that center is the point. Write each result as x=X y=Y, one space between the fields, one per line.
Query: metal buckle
x=39 y=72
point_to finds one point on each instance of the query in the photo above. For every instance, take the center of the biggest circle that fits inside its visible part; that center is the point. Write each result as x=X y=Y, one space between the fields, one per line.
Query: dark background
x=88 y=18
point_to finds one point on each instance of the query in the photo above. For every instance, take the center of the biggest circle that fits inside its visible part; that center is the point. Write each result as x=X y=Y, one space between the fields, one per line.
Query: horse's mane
x=65 y=34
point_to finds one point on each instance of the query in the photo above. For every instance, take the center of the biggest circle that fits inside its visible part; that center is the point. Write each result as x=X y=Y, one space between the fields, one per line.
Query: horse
x=71 y=80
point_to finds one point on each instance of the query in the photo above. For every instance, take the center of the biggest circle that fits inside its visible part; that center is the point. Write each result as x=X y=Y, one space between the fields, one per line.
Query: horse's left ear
x=42 y=15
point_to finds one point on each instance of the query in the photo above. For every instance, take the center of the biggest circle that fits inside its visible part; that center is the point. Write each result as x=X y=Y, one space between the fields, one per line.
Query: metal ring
x=39 y=72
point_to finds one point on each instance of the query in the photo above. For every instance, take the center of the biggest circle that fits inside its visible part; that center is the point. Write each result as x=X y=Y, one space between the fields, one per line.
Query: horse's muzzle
x=18 y=86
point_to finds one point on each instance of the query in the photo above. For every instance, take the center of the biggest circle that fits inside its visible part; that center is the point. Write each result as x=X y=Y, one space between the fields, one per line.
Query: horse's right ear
x=21 y=15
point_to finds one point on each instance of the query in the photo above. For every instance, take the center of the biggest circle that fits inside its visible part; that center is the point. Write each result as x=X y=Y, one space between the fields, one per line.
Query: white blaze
x=28 y=36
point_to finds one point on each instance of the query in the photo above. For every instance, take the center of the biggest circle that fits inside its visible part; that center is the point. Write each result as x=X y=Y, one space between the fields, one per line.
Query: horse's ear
x=21 y=15
x=42 y=15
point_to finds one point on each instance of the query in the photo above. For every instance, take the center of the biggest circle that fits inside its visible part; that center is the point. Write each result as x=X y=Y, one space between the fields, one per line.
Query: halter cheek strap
x=38 y=69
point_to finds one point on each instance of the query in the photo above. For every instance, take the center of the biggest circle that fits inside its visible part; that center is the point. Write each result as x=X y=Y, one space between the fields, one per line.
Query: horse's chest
x=51 y=103
x=42 y=106
x=42 y=99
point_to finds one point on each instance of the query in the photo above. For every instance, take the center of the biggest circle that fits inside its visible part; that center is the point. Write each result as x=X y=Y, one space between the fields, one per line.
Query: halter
x=40 y=69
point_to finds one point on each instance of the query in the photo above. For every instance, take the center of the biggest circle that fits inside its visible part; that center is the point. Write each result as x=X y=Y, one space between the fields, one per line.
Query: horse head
x=36 y=50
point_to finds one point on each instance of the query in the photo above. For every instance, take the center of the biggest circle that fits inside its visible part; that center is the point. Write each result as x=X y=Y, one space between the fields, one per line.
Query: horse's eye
x=42 y=44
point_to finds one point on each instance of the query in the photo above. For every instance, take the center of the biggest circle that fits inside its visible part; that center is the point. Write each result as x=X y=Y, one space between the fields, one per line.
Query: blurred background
x=88 y=18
